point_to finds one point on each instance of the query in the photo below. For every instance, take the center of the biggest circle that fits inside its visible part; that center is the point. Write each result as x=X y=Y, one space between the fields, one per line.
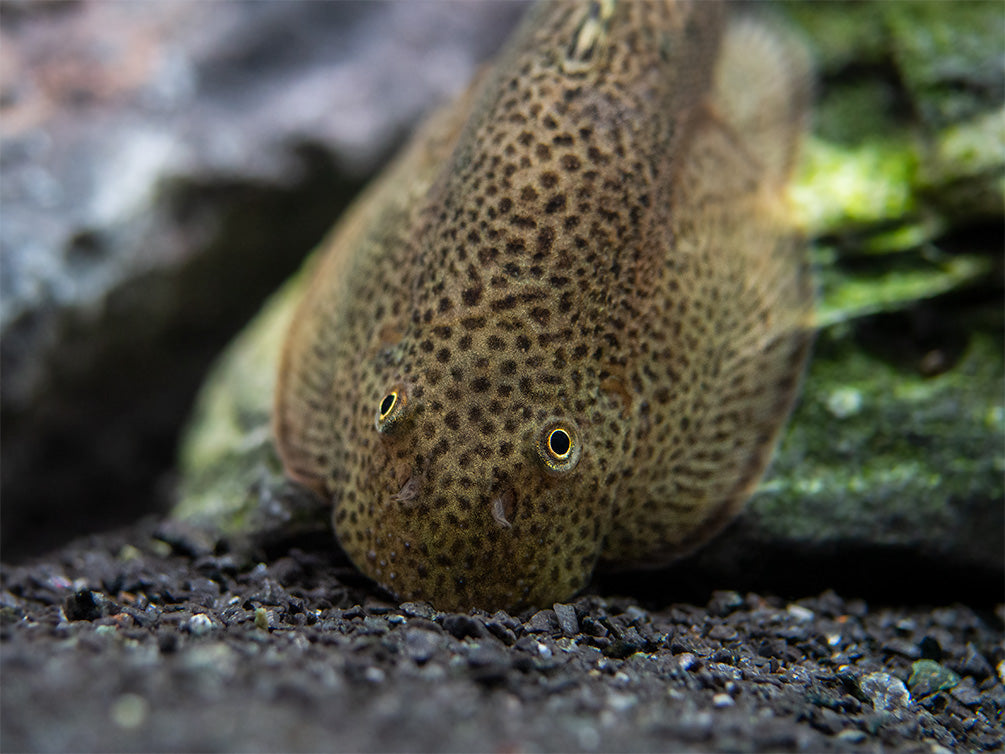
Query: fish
x=566 y=326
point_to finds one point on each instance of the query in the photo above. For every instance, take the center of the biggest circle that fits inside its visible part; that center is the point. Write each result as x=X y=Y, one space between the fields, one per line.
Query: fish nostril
x=409 y=490
x=504 y=507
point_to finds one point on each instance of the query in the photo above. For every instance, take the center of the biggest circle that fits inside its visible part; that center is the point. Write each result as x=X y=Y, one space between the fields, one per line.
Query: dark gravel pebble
x=543 y=622
x=137 y=642
x=567 y=620
x=81 y=605
x=463 y=626
x=929 y=677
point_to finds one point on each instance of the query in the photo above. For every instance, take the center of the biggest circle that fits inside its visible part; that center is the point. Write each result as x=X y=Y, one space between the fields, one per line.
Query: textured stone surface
x=120 y=643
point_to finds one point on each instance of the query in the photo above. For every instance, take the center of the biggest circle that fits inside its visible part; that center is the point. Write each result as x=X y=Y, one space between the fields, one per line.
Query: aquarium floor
x=124 y=642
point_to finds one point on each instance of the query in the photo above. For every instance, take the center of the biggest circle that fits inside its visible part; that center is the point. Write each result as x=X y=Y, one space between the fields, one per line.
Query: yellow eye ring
x=558 y=446
x=390 y=409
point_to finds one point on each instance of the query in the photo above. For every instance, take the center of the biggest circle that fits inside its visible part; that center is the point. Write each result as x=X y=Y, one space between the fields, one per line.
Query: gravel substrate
x=124 y=642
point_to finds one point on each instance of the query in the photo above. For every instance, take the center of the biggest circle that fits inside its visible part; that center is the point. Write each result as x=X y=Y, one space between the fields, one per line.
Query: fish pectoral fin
x=762 y=89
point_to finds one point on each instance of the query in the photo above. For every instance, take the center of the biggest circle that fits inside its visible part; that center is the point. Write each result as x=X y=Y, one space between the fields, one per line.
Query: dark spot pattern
x=592 y=249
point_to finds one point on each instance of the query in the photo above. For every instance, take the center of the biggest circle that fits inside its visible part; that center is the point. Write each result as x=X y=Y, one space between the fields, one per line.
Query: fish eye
x=389 y=412
x=559 y=447
x=559 y=444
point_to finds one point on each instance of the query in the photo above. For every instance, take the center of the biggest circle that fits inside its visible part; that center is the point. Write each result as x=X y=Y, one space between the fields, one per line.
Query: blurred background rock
x=163 y=166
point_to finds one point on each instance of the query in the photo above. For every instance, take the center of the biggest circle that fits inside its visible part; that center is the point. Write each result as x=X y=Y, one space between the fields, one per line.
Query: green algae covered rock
x=898 y=443
x=232 y=480
x=878 y=454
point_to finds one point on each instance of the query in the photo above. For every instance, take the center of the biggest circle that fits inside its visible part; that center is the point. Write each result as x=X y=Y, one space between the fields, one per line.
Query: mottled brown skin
x=569 y=322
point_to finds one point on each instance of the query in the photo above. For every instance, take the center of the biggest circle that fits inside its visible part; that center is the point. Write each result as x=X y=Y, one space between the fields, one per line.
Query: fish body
x=569 y=321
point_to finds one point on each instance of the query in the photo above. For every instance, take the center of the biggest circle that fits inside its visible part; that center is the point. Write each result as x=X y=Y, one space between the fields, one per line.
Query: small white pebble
x=433 y=673
x=128 y=552
x=844 y=402
x=262 y=618
x=884 y=691
x=833 y=640
x=374 y=675
x=159 y=548
x=800 y=613
x=851 y=735
x=129 y=711
x=621 y=702
x=686 y=660
x=722 y=700
x=199 y=624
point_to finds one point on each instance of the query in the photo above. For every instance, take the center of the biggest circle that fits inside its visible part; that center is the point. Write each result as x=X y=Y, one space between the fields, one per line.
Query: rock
x=800 y=613
x=950 y=69
x=887 y=694
x=421 y=644
x=201 y=624
x=162 y=170
x=463 y=626
x=903 y=648
x=567 y=620
x=542 y=622
x=418 y=610
x=81 y=605
x=489 y=661
x=929 y=677
x=852 y=735
x=966 y=693
x=900 y=408
x=722 y=633
x=724 y=602
x=262 y=618
x=974 y=664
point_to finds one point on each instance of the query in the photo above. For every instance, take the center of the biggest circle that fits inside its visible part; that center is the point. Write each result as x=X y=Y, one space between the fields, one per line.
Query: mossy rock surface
x=898 y=442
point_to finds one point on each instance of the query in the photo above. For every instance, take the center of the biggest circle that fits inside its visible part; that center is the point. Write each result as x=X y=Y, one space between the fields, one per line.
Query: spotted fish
x=568 y=323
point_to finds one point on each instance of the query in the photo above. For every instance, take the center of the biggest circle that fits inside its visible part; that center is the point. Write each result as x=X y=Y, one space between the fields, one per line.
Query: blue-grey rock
x=887 y=694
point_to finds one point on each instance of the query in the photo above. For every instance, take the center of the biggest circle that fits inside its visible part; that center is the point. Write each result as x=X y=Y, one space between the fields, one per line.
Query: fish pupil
x=559 y=443
x=387 y=404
